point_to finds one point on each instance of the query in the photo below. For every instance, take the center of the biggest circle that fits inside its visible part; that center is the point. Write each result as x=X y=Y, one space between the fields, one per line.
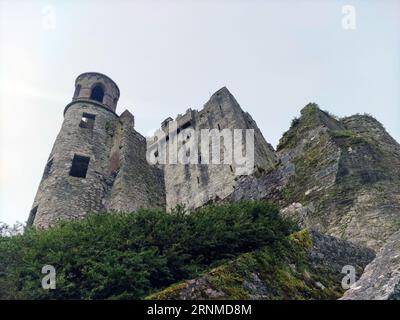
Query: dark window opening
x=199 y=158
x=32 y=216
x=167 y=138
x=97 y=93
x=77 y=91
x=231 y=168
x=156 y=154
x=186 y=125
x=219 y=127
x=198 y=180
x=47 y=169
x=220 y=107
x=79 y=166
x=87 y=121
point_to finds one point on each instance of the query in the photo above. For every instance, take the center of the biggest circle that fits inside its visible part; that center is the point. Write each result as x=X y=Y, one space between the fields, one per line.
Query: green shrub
x=127 y=256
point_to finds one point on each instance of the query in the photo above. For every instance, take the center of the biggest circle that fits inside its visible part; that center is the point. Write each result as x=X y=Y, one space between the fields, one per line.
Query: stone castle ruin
x=99 y=162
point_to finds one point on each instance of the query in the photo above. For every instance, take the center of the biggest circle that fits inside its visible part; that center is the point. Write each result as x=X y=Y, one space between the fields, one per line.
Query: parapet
x=97 y=87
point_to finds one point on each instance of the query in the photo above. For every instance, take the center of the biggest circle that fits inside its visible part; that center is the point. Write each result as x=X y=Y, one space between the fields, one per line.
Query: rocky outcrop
x=311 y=271
x=381 y=279
x=338 y=176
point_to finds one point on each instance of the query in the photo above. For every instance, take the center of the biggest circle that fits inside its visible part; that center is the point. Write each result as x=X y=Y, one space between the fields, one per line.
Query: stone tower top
x=98 y=88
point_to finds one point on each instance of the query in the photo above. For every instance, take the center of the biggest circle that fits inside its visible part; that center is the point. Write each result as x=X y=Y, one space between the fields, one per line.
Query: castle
x=99 y=162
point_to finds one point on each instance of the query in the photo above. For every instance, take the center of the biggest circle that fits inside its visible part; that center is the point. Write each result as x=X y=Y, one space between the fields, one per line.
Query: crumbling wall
x=137 y=184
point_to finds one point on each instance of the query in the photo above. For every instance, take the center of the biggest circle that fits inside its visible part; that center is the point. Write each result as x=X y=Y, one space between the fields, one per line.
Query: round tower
x=77 y=175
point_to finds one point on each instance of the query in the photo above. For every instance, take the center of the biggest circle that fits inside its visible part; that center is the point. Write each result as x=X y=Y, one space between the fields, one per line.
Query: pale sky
x=168 y=56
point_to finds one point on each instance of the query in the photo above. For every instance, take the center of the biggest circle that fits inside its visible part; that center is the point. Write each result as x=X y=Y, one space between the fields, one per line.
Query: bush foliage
x=129 y=255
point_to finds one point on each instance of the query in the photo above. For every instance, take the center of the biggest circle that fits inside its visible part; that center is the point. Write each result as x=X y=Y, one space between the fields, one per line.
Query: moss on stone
x=302 y=238
x=280 y=271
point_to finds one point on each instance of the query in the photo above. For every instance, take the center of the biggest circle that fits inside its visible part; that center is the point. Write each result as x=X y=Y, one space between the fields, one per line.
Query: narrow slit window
x=186 y=125
x=198 y=180
x=219 y=127
x=79 y=166
x=87 y=120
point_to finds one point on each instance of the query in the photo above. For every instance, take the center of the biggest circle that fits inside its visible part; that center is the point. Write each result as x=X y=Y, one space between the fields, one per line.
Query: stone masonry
x=195 y=184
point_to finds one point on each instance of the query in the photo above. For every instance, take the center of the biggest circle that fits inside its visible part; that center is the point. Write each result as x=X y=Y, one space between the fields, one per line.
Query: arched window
x=77 y=90
x=97 y=93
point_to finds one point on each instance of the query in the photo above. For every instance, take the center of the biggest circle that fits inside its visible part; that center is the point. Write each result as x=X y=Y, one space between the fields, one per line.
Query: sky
x=168 y=56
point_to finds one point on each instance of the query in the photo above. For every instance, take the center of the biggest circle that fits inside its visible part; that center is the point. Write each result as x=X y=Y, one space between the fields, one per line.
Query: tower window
x=186 y=125
x=87 y=120
x=219 y=127
x=198 y=180
x=79 y=166
x=32 y=216
x=97 y=93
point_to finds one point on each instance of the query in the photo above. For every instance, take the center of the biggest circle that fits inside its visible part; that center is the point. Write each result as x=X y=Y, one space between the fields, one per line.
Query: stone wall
x=138 y=184
x=61 y=196
x=194 y=185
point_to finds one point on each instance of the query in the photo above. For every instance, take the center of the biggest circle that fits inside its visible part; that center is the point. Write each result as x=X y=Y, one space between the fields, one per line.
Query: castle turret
x=96 y=87
x=77 y=175
x=98 y=160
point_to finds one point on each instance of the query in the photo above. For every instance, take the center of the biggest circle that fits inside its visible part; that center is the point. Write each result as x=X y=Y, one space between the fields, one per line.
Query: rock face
x=312 y=272
x=338 y=176
x=381 y=279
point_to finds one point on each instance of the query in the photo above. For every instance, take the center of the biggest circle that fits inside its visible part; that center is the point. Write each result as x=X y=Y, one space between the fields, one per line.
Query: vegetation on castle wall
x=279 y=271
x=128 y=256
